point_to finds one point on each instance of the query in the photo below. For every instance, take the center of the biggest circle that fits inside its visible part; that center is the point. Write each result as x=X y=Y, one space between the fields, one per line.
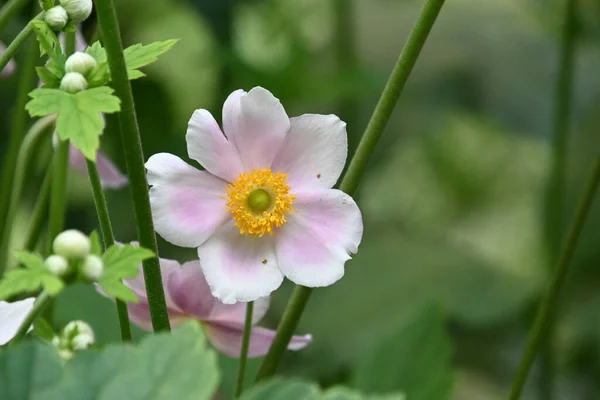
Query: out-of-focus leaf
x=121 y=262
x=415 y=359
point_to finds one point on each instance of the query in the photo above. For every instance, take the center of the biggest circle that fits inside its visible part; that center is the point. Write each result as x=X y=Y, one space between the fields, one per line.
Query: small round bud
x=78 y=10
x=92 y=267
x=76 y=328
x=82 y=342
x=80 y=62
x=58 y=265
x=65 y=354
x=73 y=82
x=71 y=244
x=56 y=18
x=56 y=341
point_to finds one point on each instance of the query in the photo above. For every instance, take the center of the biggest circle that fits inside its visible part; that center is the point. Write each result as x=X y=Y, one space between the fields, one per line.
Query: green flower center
x=259 y=200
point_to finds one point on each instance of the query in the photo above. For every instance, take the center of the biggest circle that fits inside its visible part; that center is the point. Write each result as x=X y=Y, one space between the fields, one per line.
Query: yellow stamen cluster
x=246 y=201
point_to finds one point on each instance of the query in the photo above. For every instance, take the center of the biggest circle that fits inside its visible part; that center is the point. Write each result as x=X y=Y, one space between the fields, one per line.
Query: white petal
x=257 y=123
x=314 y=151
x=207 y=145
x=12 y=316
x=238 y=267
x=188 y=205
x=314 y=244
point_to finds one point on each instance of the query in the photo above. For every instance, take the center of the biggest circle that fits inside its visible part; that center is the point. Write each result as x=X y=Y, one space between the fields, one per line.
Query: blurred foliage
x=453 y=201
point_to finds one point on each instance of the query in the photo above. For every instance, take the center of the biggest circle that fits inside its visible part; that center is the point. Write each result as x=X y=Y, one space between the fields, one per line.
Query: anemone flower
x=188 y=297
x=12 y=316
x=264 y=208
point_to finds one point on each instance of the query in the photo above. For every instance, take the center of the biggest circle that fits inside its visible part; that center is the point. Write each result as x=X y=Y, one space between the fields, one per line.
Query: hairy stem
x=358 y=164
x=134 y=159
x=16 y=43
x=41 y=303
x=244 y=353
x=109 y=239
x=24 y=159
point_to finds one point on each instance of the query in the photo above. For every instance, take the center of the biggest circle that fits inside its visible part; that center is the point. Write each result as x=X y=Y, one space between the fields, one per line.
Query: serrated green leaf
x=415 y=360
x=97 y=51
x=135 y=74
x=49 y=43
x=30 y=260
x=95 y=245
x=116 y=288
x=182 y=368
x=50 y=80
x=20 y=280
x=44 y=102
x=51 y=284
x=137 y=56
x=121 y=262
x=55 y=69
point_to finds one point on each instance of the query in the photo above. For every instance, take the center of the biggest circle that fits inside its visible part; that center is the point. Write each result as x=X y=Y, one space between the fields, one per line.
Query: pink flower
x=264 y=207
x=188 y=296
x=10 y=67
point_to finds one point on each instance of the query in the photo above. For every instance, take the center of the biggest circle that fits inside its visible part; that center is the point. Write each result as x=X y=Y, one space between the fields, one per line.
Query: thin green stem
x=134 y=159
x=109 y=239
x=358 y=164
x=16 y=43
x=556 y=191
x=9 y=10
x=239 y=388
x=550 y=300
x=24 y=159
x=40 y=211
x=41 y=303
x=17 y=133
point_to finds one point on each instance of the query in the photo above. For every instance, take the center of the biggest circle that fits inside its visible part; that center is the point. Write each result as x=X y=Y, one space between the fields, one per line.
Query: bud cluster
x=69 y=11
x=77 y=66
x=72 y=254
x=76 y=336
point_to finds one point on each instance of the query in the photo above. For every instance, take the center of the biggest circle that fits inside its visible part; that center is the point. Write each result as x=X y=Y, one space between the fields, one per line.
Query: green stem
x=39 y=213
x=358 y=164
x=25 y=156
x=41 y=303
x=547 y=306
x=16 y=43
x=109 y=239
x=134 y=159
x=556 y=192
x=8 y=12
x=244 y=353
x=17 y=133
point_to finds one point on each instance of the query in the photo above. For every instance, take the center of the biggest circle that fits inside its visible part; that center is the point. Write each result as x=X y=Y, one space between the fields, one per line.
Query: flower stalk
x=134 y=159
x=356 y=169
x=16 y=43
x=40 y=305
x=244 y=353
x=109 y=239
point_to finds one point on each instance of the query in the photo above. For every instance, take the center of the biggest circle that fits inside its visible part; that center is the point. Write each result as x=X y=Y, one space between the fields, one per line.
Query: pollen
x=259 y=201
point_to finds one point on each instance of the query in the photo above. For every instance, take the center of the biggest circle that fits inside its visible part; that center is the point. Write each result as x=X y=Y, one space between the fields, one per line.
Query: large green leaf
x=290 y=389
x=415 y=359
x=165 y=366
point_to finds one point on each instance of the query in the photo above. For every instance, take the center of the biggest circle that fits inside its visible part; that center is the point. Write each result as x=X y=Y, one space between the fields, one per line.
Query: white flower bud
x=56 y=341
x=82 y=342
x=56 y=18
x=76 y=328
x=92 y=267
x=72 y=244
x=65 y=354
x=58 y=265
x=80 y=62
x=78 y=10
x=73 y=82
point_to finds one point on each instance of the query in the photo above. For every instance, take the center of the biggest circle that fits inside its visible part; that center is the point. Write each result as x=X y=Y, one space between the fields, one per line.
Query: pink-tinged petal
x=139 y=314
x=227 y=338
x=8 y=68
x=110 y=176
x=188 y=205
x=238 y=267
x=257 y=123
x=190 y=292
x=12 y=316
x=314 y=151
x=207 y=145
x=314 y=244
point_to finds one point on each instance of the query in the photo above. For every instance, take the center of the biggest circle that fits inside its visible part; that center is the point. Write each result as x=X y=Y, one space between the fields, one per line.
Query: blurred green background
x=457 y=244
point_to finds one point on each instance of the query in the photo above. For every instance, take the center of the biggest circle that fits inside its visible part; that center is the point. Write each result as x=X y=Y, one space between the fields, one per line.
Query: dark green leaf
x=414 y=360
x=174 y=365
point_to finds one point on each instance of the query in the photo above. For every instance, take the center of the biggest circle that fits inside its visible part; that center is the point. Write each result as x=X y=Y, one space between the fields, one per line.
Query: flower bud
x=82 y=342
x=92 y=267
x=71 y=244
x=56 y=18
x=76 y=328
x=65 y=354
x=58 y=265
x=80 y=62
x=73 y=82
x=78 y=10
